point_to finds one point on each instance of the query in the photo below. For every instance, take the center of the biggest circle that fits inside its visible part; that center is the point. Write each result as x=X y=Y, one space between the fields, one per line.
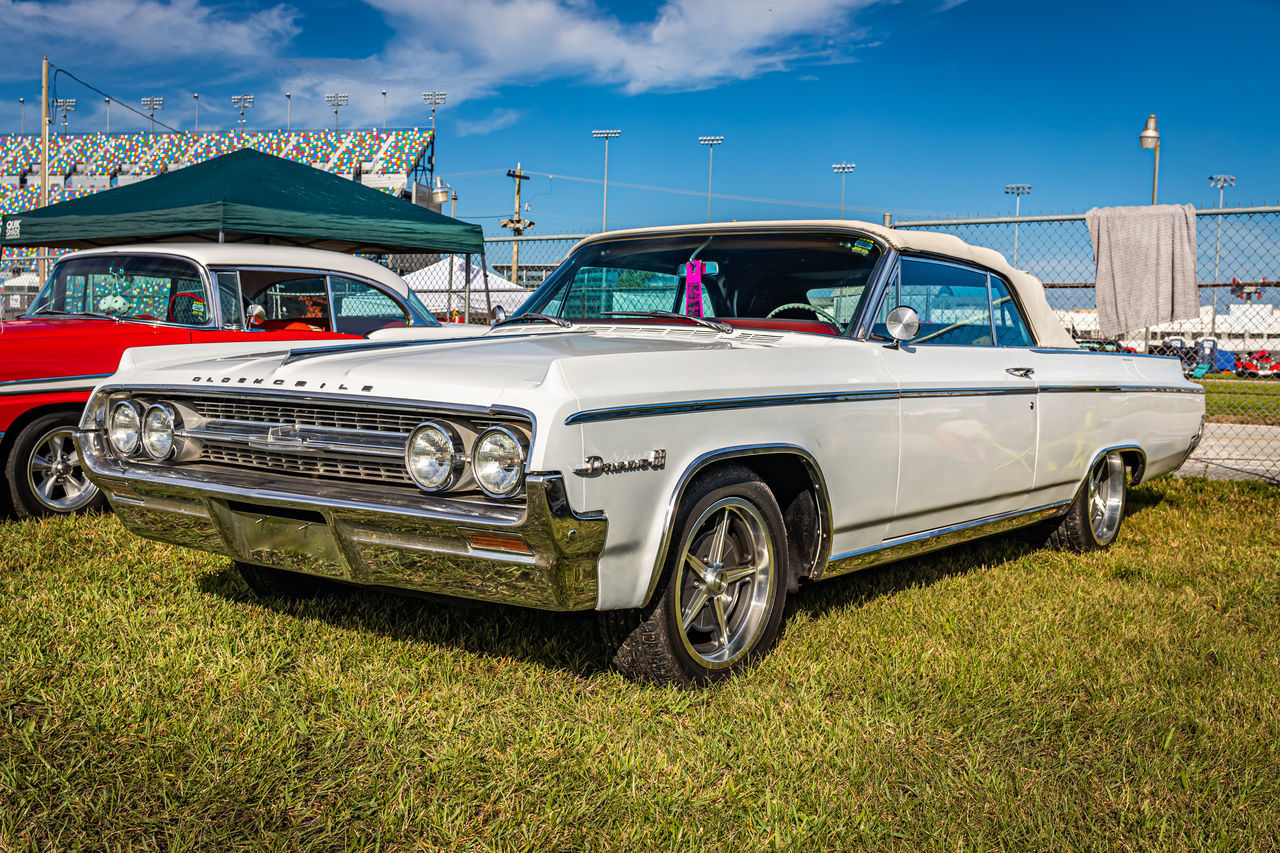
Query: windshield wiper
x=722 y=328
x=535 y=317
x=62 y=313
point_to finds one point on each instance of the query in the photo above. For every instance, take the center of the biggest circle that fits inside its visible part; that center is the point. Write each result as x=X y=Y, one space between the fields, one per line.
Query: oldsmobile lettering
x=594 y=465
x=830 y=395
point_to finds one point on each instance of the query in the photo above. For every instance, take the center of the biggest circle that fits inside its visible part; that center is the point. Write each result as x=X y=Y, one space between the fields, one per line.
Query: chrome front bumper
x=540 y=555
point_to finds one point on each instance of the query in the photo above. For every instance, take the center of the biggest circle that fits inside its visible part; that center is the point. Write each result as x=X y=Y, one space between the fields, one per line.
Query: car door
x=968 y=406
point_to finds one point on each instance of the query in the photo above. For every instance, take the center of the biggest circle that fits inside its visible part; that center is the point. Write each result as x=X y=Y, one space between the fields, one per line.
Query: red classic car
x=98 y=303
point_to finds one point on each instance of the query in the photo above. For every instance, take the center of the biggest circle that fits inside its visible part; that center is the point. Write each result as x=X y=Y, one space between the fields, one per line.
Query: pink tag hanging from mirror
x=693 y=288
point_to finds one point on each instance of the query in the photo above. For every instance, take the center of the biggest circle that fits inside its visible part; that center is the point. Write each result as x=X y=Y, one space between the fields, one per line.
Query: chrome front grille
x=333 y=417
x=328 y=467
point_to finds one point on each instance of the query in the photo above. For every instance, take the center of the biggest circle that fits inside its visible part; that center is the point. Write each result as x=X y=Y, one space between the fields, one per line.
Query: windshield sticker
x=693 y=288
x=862 y=247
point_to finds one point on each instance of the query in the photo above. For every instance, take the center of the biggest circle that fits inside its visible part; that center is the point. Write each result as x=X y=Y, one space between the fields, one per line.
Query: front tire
x=44 y=473
x=1093 y=521
x=719 y=605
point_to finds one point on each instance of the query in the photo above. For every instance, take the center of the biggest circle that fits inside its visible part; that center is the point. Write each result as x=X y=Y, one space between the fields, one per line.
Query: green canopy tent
x=248 y=197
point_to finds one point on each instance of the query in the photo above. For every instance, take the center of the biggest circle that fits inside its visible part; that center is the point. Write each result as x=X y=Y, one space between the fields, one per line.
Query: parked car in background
x=1257 y=365
x=98 y=303
x=1109 y=345
x=678 y=428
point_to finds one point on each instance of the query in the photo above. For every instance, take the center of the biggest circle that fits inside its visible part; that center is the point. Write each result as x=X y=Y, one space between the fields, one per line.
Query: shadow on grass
x=570 y=642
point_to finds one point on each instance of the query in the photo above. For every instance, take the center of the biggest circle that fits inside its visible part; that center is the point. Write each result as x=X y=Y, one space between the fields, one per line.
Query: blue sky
x=940 y=104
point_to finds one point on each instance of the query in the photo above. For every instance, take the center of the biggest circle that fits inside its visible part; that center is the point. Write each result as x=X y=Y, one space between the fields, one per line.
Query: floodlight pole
x=44 y=150
x=606 y=135
x=244 y=102
x=711 y=142
x=107 y=101
x=336 y=100
x=842 y=169
x=1221 y=182
x=152 y=103
x=196 y=96
x=22 y=107
x=1017 y=191
x=384 y=109
x=288 y=111
x=1150 y=139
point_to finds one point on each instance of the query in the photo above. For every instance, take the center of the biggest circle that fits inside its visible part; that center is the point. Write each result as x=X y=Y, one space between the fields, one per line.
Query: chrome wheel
x=54 y=474
x=725 y=582
x=1105 y=499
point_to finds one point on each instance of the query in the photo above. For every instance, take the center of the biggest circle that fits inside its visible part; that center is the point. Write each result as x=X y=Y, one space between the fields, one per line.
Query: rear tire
x=44 y=474
x=1094 y=519
x=269 y=582
x=720 y=602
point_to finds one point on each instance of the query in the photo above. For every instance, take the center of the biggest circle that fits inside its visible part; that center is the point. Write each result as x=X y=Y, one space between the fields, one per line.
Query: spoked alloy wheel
x=1105 y=497
x=55 y=476
x=727 y=576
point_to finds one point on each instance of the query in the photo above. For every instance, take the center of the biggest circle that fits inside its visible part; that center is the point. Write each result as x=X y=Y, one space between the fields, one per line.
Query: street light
x=1221 y=182
x=384 y=109
x=1149 y=139
x=288 y=111
x=22 y=106
x=67 y=105
x=1017 y=191
x=336 y=100
x=711 y=142
x=842 y=169
x=435 y=99
x=152 y=104
x=197 y=99
x=244 y=102
x=606 y=135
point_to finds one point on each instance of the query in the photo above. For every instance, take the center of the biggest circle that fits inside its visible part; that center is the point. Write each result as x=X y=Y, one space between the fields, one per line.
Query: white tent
x=442 y=287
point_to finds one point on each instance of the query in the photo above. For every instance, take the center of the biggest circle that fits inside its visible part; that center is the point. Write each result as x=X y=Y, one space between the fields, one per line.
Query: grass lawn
x=1230 y=400
x=990 y=697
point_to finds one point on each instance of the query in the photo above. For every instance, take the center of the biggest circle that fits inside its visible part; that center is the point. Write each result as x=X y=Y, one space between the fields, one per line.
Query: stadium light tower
x=606 y=135
x=288 y=111
x=843 y=169
x=244 y=102
x=384 y=109
x=711 y=142
x=1017 y=191
x=1221 y=182
x=22 y=107
x=196 y=95
x=336 y=100
x=107 y=101
x=1150 y=140
x=67 y=105
x=152 y=104
x=435 y=99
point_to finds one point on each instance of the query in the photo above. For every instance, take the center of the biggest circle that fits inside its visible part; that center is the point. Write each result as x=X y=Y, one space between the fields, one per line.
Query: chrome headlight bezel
x=137 y=410
x=521 y=446
x=165 y=410
x=456 y=465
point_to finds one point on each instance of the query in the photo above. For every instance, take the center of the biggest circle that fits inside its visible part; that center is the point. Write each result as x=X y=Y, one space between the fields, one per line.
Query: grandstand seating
x=391 y=153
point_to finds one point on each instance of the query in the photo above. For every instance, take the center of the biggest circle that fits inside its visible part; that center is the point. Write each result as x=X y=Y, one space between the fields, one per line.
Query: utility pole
x=711 y=142
x=107 y=101
x=1221 y=182
x=1017 y=191
x=518 y=225
x=44 y=150
x=842 y=169
x=606 y=135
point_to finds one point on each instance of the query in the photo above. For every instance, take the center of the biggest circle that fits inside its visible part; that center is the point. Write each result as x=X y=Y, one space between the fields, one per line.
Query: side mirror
x=499 y=314
x=903 y=323
x=255 y=314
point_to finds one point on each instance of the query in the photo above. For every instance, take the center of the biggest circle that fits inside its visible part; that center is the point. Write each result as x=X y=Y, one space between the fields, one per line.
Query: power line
x=123 y=103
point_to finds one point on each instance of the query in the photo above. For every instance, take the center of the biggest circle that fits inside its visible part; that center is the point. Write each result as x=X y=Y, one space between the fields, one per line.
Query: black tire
x=43 y=471
x=270 y=582
x=732 y=607
x=1093 y=522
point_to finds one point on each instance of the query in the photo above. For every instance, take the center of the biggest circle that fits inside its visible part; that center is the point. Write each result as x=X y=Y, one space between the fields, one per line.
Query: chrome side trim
x=933 y=540
x=684 y=407
x=815 y=475
x=22 y=386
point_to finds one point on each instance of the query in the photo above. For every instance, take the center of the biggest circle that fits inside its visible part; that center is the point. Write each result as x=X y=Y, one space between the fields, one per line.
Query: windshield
x=820 y=278
x=167 y=289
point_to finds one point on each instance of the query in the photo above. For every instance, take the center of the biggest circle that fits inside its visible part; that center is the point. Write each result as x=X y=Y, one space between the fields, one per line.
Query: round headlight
x=433 y=456
x=498 y=462
x=124 y=427
x=157 y=432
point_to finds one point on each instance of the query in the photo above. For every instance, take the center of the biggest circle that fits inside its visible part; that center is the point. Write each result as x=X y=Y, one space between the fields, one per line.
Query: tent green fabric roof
x=247 y=196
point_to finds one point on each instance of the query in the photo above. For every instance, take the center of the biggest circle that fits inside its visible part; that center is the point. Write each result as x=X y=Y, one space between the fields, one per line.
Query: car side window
x=360 y=308
x=1011 y=327
x=952 y=302
x=229 y=299
x=299 y=303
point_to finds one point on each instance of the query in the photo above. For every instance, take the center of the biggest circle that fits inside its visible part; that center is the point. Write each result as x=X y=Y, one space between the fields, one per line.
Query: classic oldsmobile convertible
x=678 y=428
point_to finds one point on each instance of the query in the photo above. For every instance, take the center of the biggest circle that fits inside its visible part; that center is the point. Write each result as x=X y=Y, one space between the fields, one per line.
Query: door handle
x=1024 y=372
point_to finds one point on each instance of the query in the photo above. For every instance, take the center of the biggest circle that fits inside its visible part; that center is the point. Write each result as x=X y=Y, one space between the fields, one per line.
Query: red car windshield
x=166 y=289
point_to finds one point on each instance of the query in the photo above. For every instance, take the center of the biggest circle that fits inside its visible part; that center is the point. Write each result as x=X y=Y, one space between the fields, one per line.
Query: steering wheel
x=814 y=308
x=194 y=297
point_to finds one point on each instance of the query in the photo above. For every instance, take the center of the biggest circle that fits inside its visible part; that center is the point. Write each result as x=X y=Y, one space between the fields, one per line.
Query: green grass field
x=1242 y=401
x=992 y=696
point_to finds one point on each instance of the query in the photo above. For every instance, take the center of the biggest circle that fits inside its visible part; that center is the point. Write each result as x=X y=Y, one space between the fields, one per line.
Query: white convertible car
x=678 y=428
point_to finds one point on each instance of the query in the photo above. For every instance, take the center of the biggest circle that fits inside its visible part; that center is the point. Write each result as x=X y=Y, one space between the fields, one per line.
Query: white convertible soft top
x=1046 y=326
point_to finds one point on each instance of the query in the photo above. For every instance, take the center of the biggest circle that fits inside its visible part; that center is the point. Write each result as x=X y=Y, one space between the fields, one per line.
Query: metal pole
x=466 y=316
x=1017 y=211
x=44 y=151
x=288 y=111
x=22 y=105
x=196 y=95
x=711 y=156
x=842 y=177
x=1155 y=173
x=604 y=215
x=384 y=109
x=108 y=103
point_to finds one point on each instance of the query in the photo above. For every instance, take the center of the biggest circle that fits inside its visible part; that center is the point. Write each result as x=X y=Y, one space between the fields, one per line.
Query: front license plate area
x=296 y=540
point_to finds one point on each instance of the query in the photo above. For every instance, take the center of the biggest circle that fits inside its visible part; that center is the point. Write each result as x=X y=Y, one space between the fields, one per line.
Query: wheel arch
x=19 y=424
x=797 y=483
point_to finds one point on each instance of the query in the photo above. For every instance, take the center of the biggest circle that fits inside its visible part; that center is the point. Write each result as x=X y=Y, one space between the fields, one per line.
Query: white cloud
x=496 y=120
x=96 y=34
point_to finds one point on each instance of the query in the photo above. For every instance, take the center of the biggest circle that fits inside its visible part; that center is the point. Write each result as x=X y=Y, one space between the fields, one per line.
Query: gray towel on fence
x=1146 y=259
